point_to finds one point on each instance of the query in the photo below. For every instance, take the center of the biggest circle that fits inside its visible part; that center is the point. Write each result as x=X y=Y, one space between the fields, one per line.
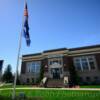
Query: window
x=33 y=66
x=50 y=62
x=32 y=80
x=96 y=77
x=92 y=65
x=81 y=79
x=55 y=60
x=78 y=66
x=77 y=63
x=37 y=67
x=29 y=67
x=88 y=78
x=60 y=70
x=85 y=63
x=28 y=80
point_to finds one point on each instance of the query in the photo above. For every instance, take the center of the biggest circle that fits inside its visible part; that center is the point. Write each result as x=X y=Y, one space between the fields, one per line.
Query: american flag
x=26 y=26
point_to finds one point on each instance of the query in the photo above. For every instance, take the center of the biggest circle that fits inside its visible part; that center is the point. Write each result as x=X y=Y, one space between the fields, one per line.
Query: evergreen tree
x=74 y=79
x=74 y=76
x=41 y=73
x=8 y=76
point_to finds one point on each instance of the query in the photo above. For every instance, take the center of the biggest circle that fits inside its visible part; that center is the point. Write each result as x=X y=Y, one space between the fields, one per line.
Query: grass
x=18 y=86
x=54 y=94
x=90 y=86
x=26 y=86
x=49 y=94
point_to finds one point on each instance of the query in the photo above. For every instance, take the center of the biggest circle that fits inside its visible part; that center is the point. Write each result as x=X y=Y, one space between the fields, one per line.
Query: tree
x=8 y=76
x=41 y=73
x=74 y=79
x=74 y=76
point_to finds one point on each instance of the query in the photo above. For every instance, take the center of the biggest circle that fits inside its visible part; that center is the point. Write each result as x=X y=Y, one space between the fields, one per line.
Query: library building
x=62 y=67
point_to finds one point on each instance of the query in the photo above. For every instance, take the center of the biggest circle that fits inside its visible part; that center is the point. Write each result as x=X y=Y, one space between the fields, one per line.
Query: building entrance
x=56 y=73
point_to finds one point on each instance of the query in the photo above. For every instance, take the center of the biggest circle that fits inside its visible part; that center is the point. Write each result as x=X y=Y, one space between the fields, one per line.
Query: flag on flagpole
x=25 y=30
x=26 y=26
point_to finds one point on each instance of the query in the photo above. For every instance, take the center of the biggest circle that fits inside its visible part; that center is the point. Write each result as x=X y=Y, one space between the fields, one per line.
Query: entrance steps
x=55 y=83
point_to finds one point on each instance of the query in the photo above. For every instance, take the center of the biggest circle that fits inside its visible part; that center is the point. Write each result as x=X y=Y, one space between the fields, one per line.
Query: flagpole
x=17 y=64
x=18 y=58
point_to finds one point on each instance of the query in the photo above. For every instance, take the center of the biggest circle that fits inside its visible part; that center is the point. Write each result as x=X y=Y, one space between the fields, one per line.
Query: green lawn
x=53 y=94
x=90 y=86
x=18 y=86
x=26 y=86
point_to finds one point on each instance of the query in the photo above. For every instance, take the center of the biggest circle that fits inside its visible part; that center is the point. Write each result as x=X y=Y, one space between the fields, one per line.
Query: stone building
x=56 y=65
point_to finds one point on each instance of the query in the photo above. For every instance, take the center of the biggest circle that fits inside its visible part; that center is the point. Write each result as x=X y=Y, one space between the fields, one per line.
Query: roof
x=61 y=49
x=85 y=47
x=53 y=50
x=35 y=54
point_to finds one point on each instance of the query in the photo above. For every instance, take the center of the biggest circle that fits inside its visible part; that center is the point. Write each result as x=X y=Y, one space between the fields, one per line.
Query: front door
x=56 y=73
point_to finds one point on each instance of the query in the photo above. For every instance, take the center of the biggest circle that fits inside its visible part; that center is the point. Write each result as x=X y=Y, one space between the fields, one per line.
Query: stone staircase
x=55 y=83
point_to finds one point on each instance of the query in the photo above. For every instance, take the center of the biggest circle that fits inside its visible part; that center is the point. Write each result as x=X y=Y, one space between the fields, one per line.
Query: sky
x=53 y=24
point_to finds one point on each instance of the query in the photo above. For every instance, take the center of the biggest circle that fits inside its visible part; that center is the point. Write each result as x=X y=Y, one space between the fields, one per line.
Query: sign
x=1 y=64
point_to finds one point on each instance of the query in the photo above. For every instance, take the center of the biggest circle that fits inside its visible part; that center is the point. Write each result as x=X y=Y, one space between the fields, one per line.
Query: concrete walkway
x=35 y=88
x=1 y=84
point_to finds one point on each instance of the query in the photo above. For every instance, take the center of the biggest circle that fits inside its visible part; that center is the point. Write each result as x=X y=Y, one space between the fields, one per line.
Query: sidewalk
x=1 y=84
x=35 y=88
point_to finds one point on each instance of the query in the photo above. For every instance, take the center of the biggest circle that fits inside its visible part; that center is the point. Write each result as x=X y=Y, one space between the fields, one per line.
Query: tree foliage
x=74 y=76
x=8 y=76
x=74 y=79
x=41 y=73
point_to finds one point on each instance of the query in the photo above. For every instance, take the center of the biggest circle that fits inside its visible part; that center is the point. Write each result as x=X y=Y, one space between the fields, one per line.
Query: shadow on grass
x=4 y=98
x=18 y=98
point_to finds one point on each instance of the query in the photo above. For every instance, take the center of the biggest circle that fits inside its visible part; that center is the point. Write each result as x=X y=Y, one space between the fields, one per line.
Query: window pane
x=91 y=58
x=33 y=64
x=85 y=65
x=50 y=62
x=80 y=79
x=77 y=63
x=96 y=77
x=29 y=66
x=55 y=61
x=37 y=67
x=60 y=62
x=78 y=66
x=88 y=78
x=77 y=60
x=92 y=65
x=33 y=67
x=83 y=59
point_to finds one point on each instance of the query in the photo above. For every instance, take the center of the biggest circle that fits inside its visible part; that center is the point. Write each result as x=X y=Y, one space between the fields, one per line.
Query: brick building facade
x=56 y=65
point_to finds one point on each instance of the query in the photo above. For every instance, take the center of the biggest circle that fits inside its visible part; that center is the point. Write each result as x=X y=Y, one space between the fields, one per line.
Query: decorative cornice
x=63 y=51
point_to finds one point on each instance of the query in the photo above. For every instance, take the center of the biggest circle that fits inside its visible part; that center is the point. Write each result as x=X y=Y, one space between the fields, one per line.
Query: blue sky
x=53 y=24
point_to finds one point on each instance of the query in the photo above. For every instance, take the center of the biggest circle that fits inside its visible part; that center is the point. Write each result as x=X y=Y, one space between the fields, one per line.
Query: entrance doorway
x=56 y=73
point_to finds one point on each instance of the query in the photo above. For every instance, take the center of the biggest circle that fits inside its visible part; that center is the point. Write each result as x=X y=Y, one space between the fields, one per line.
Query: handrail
x=66 y=80
x=43 y=82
